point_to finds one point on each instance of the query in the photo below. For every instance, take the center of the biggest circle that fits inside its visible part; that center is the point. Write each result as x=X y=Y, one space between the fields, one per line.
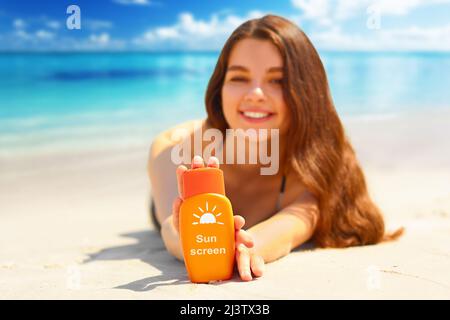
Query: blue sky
x=205 y=25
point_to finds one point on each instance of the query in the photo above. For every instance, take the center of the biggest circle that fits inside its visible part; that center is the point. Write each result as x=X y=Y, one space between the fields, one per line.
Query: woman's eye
x=238 y=79
x=277 y=81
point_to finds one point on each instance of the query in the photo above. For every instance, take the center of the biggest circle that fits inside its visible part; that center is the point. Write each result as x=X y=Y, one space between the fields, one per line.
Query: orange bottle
x=206 y=226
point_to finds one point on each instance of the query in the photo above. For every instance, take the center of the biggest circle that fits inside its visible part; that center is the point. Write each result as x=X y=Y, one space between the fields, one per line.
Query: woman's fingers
x=180 y=170
x=245 y=259
x=257 y=265
x=243 y=262
x=244 y=237
x=176 y=212
x=213 y=162
x=249 y=263
x=239 y=222
x=197 y=162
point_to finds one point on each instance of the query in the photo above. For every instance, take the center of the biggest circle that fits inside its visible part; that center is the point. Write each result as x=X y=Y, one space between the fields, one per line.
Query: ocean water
x=62 y=101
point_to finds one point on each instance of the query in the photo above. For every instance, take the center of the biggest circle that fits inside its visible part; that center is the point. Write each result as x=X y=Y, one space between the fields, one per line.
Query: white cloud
x=37 y=22
x=93 y=24
x=348 y=8
x=318 y=10
x=44 y=35
x=19 y=23
x=22 y=34
x=164 y=33
x=329 y=17
x=417 y=38
x=326 y=12
x=101 y=39
x=47 y=39
x=327 y=21
x=190 y=33
x=53 y=24
x=402 y=7
x=133 y=2
x=402 y=39
x=36 y=37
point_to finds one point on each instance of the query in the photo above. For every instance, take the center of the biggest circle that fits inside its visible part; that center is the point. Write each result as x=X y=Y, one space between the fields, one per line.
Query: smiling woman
x=255 y=73
x=314 y=144
x=269 y=76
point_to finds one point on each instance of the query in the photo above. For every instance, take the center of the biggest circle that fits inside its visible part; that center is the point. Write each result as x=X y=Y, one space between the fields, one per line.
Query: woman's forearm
x=171 y=238
x=277 y=236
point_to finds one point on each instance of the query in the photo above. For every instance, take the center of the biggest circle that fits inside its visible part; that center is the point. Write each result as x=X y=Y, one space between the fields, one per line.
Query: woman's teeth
x=256 y=115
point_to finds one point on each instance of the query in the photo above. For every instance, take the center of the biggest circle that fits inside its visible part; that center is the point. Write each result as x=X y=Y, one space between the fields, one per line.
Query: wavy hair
x=317 y=147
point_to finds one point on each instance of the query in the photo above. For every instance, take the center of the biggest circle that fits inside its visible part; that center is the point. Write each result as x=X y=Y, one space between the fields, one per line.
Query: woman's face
x=252 y=95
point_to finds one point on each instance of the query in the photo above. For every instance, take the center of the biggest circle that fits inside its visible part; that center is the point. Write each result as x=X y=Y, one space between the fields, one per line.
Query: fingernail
x=197 y=160
x=212 y=160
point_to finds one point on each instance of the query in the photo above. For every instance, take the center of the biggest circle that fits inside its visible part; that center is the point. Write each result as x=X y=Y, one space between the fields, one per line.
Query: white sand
x=76 y=226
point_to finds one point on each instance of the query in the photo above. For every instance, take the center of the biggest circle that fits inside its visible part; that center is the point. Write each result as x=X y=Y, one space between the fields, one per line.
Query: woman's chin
x=254 y=134
x=258 y=128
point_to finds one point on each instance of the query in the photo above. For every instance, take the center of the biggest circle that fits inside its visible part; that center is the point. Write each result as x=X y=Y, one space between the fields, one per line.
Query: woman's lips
x=254 y=116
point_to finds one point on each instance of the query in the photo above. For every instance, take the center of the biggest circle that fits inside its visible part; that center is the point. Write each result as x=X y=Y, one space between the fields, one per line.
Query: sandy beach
x=75 y=225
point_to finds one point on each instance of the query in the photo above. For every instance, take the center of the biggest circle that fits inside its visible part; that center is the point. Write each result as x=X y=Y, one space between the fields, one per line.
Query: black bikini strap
x=283 y=184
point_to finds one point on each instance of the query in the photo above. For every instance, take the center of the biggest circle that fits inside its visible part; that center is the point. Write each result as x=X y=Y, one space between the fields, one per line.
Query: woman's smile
x=256 y=116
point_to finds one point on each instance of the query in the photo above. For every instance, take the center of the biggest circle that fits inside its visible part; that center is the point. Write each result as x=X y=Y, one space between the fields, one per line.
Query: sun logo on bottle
x=206 y=216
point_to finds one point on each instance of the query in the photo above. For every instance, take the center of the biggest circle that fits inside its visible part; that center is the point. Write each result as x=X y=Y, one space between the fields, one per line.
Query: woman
x=269 y=76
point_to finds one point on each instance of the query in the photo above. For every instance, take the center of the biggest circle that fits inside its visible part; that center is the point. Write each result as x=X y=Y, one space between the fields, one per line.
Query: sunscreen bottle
x=206 y=226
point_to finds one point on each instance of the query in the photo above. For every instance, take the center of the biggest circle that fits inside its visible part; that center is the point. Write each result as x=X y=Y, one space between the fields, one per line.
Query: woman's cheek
x=275 y=93
x=231 y=96
x=233 y=91
x=230 y=103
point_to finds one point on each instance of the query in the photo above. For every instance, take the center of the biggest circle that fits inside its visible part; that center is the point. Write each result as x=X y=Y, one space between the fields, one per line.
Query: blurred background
x=86 y=85
x=135 y=67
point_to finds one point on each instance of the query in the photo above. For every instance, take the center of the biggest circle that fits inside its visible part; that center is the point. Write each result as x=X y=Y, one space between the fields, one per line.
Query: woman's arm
x=171 y=238
x=161 y=173
x=162 y=170
x=286 y=230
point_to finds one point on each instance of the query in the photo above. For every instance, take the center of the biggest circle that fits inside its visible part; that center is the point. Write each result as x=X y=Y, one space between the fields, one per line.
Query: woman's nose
x=255 y=94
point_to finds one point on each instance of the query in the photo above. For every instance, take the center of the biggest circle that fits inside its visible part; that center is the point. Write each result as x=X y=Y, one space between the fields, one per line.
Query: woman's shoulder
x=171 y=136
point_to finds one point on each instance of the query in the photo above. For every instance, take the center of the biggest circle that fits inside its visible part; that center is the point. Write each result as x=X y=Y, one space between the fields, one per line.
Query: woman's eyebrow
x=275 y=69
x=242 y=68
x=237 y=68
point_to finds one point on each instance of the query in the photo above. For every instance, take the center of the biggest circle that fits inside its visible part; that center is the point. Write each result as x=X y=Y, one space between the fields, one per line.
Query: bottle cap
x=202 y=180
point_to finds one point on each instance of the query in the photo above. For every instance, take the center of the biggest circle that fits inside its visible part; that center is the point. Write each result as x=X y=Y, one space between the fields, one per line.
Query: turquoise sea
x=57 y=101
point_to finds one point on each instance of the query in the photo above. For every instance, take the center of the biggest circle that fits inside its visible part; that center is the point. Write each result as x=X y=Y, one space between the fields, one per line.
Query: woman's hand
x=247 y=261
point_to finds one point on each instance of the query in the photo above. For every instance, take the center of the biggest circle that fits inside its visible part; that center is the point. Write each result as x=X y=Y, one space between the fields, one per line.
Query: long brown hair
x=318 y=149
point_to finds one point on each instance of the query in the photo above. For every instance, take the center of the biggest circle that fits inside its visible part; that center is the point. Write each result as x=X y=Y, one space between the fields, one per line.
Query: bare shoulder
x=168 y=138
